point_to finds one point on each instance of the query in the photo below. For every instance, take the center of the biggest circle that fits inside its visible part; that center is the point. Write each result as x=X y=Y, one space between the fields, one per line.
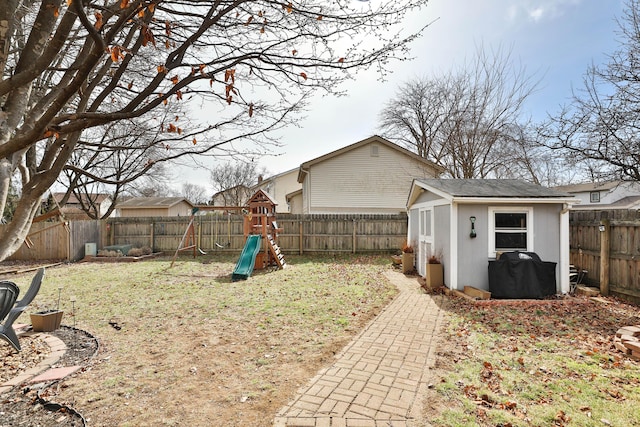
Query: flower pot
x=407 y=262
x=435 y=276
x=46 y=321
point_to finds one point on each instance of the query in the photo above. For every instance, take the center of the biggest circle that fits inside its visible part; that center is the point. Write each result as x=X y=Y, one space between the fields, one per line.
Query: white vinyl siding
x=357 y=181
x=279 y=186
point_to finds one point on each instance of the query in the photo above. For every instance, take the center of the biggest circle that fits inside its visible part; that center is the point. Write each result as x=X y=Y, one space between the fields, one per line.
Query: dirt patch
x=31 y=405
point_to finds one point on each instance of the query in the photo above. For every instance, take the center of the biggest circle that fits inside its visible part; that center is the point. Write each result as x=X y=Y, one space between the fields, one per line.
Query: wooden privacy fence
x=607 y=245
x=216 y=233
x=57 y=240
x=301 y=233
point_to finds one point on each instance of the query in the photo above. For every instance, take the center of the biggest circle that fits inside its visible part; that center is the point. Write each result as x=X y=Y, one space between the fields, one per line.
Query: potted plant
x=435 y=273
x=407 y=258
x=47 y=320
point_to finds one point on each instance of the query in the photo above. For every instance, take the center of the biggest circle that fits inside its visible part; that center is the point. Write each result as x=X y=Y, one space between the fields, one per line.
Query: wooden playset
x=260 y=218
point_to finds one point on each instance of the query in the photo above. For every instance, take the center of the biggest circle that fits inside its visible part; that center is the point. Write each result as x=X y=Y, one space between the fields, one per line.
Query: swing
x=228 y=230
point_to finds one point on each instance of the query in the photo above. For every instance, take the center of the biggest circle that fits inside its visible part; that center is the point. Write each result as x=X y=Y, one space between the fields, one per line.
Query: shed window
x=425 y=223
x=594 y=197
x=510 y=229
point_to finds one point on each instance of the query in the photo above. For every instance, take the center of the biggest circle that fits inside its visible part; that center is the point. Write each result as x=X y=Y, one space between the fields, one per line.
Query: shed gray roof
x=498 y=188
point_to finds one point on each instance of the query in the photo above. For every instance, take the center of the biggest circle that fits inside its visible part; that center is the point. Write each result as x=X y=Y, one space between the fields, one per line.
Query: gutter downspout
x=565 y=253
x=451 y=278
x=305 y=194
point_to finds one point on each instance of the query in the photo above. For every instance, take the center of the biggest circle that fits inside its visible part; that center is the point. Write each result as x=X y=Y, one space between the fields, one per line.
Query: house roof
x=273 y=178
x=293 y=194
x=95 y=197
x=152 y=202
x=235 y=187
x=375 y=138
x=588 y=186
x=479 y=190
x=629 y=202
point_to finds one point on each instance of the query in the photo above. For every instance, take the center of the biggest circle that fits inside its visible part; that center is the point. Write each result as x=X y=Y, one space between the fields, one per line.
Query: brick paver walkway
x=380 y=377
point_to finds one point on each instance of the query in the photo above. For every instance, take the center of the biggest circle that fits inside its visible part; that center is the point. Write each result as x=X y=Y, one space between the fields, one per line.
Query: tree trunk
x=5 y=183
x=14 y=233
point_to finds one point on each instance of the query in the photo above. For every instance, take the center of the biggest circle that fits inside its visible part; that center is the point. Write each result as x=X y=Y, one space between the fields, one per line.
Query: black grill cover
x=521 y=275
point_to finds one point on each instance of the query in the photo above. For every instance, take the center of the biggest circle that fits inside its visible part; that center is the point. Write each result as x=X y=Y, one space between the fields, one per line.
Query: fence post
x=152 y=237
x=605 y=239
x=301 y=238
x=353 y=244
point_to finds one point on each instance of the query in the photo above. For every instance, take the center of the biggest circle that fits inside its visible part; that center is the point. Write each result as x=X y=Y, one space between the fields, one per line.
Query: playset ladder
x=276 y=252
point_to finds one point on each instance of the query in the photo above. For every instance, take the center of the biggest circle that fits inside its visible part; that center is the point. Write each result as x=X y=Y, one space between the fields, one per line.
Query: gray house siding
x=472 y=268
x=545 y=223
x=473 y=259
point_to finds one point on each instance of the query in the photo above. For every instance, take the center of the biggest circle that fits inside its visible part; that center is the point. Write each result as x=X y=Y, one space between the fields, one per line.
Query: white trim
x=564 y=250
x=423 y=239
x=492 y=210
x=452 y=268
x=515 y=201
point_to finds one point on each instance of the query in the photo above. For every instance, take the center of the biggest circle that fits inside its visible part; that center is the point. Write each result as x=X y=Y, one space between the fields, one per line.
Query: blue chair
x=6 y=328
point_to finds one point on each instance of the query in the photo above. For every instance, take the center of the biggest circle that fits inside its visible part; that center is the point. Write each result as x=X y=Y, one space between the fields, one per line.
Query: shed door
x=426 y=239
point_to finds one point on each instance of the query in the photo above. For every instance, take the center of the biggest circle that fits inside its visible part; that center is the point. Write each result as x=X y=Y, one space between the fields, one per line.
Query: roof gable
x=375 y=138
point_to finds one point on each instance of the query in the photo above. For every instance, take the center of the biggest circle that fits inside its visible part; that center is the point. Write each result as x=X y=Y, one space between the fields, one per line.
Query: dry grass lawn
x=186 y=346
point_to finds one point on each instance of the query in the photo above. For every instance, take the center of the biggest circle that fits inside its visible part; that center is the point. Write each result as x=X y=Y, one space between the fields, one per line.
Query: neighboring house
x=97 y=203
x=278 y=187
x=294 y=201
x=234 y=196
x=605 y=195
x=506 y=215
x=155 y=206
x=371 y=176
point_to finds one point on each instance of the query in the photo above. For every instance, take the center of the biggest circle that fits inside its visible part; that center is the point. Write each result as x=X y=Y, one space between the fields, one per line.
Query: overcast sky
x=555 y=40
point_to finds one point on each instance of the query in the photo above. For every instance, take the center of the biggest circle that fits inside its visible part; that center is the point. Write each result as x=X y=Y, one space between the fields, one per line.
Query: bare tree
x=600 y=127
x=463 y=121
x=119 y=167
x=533 y=162
x=232 y=182
x=70 y=66
x=194 y=193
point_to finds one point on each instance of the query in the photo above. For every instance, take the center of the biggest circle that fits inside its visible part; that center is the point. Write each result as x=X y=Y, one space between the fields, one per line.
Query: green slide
x=245 y=264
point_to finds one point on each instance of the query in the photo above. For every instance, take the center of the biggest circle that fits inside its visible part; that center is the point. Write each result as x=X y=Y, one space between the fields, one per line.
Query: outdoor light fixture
x=473 y=227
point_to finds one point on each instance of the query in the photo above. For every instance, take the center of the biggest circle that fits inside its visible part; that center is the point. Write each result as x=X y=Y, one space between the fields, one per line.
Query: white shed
x=465 y=222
